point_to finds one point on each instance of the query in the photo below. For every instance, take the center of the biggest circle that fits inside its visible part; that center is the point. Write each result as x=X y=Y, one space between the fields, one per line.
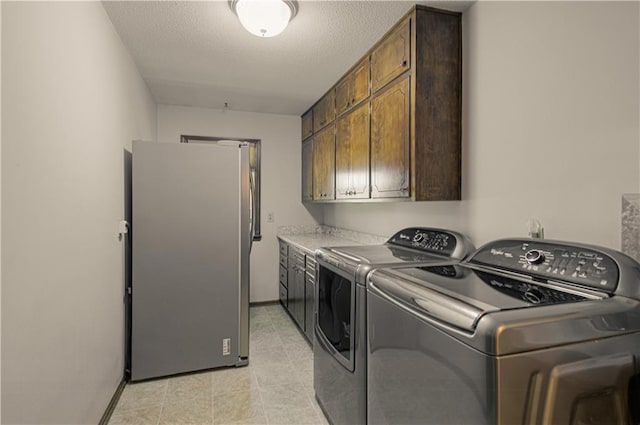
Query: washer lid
x=467 y=294
x=386 y=254
x=493 y=314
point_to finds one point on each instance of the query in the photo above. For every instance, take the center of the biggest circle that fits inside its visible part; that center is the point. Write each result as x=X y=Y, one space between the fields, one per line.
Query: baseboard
x=263 y=303
x=113 y=403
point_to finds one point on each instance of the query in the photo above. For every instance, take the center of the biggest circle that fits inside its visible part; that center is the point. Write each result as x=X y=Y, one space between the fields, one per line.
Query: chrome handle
x=425 y=302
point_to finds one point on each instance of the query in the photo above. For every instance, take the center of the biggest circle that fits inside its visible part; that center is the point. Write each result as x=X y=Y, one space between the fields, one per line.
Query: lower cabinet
x=309 y=298
x=297 y=298
x=284 y=261
x=297 y=287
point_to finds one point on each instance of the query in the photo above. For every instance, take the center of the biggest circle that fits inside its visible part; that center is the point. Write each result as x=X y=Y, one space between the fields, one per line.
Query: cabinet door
x=307 y=124
x=354 y=88
x=352 y=154
x=360 y=83
x=307 y=170
x=324 y=112
x=291 y=278
x=309 y=297
x=300 y=301
x=324 y=165
x=343 y=94
x=390 y=142
x=392 y=57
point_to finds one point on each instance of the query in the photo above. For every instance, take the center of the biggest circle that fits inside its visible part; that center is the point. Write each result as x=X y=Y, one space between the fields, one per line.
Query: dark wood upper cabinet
x=307 y=124
x=413 y=90
x=343 y=95
x=325 y=111
x=307 y=170
x=390 y=142
x=353 y=88
x=352 y=154
x=324 y=156
x=437 y=107
x=392 y=57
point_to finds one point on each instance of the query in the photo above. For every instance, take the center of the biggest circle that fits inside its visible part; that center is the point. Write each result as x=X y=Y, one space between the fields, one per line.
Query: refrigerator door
x=190 y=258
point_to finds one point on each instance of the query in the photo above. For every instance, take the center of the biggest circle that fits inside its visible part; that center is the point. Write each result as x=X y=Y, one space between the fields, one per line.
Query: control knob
x=418 y=237
x=534 y=256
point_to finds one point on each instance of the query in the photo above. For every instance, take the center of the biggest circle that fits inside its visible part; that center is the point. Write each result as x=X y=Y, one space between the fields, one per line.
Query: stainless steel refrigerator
x=192 y=231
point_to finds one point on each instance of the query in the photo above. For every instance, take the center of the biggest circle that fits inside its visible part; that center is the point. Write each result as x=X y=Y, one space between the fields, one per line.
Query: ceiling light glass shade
x=264 y=18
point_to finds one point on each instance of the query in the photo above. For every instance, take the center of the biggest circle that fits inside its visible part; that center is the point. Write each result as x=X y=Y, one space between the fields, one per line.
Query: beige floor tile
x=282 y=319
x=261 y=324
x=293 y=415
x=264 y=341
x=187 y=387
x=259 y=311
x=274 y=355
x=143 y=394
x=284 y=395
x=276 y=388
x=234 y=407
x=274 y=309
x=187 y=412
x=233 y=380
x=275 y=374
x=144 y=416
x=298 y=349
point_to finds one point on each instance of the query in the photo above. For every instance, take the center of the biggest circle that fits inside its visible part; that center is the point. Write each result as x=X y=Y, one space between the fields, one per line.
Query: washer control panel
x=584 y=266
x=425 y=239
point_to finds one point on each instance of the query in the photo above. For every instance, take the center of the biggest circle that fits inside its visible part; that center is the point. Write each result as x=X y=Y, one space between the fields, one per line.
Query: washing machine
x=340 y=326
x=522 y=332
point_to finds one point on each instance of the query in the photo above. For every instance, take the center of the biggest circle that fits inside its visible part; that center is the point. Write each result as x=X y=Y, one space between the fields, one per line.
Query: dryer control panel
x=426 y=239
x=577 y=264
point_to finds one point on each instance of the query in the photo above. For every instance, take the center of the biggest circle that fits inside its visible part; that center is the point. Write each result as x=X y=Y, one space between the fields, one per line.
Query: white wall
x=0 y=213
x=72 y=101
x=550 y=126
x=280 y=174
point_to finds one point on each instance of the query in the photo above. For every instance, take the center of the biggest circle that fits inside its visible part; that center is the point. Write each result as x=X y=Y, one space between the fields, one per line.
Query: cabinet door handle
x=403 y=63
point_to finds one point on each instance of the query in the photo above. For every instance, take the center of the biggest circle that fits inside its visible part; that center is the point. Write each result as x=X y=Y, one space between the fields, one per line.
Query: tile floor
x=276 y=388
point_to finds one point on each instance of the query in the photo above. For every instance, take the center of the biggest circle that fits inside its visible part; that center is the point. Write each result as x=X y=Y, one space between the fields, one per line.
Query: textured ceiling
x=196 y=53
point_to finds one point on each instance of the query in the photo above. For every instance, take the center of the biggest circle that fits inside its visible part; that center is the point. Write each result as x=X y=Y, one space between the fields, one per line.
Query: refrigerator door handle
x=251 y=212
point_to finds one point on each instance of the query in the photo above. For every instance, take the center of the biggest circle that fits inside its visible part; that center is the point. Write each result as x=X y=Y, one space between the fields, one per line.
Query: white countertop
x=311 y=238
x=311 y=242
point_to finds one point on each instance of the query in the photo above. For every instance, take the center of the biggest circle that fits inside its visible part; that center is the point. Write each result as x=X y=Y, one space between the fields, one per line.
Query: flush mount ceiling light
x=264 y=18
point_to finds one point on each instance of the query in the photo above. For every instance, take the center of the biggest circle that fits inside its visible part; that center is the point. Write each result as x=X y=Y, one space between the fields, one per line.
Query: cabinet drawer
x=283 y=276
x=283 y=296
x=392 y=57
x=311 y=265
x=283 y=260
x=284 y=248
